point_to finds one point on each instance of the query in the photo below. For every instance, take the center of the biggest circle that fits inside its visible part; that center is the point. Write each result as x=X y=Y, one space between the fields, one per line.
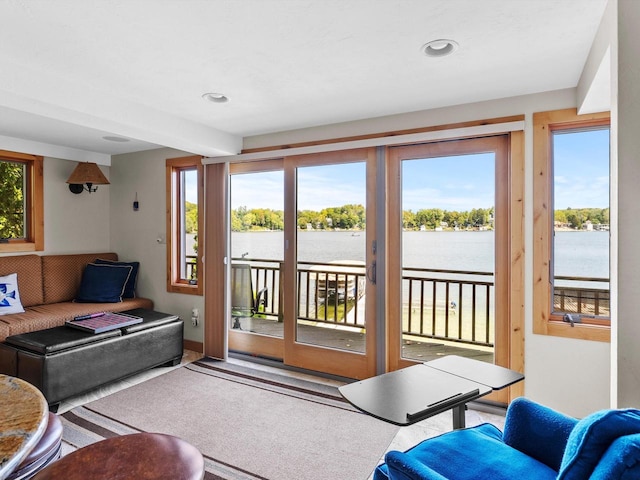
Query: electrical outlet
x=195 y=317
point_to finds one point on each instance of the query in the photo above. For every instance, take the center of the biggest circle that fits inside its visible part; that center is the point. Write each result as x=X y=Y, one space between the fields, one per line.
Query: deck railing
x=448 y=305
x=451 y=305
x=582 y=295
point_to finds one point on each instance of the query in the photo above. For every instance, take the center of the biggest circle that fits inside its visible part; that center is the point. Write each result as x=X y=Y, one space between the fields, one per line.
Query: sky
x=581 y=169
x=461 y=183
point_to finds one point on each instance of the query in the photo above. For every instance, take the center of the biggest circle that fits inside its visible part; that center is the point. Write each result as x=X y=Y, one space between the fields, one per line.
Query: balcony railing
x=451 y=305
x=582 y=295
x=448 y=305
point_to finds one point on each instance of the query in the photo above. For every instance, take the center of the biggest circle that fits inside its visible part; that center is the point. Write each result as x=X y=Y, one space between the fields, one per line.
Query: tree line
x=576 y=217
x=352 y=217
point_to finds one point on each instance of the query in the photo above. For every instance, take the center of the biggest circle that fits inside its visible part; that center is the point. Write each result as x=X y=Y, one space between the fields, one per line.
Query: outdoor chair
x=244 y=303
x=538 y=443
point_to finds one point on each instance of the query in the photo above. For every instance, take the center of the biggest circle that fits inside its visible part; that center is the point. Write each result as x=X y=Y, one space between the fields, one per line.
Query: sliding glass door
x=330 y=262
x=449 y=280
x=303 y=261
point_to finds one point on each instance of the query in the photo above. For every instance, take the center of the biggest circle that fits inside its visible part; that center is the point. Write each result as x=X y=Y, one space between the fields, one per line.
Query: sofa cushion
x=592 y=436
x=103 y=283
x=29 y=270
x=9 y=295
x=62 y=274
x=130 y=287
x=484 y=456
x=54 y=315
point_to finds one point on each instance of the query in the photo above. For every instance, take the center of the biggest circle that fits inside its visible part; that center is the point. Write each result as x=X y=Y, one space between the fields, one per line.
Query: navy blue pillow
x=130 y=287
x=103 y=283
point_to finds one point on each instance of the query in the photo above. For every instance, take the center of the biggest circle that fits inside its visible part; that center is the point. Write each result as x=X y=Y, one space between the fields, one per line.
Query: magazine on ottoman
x=103 y=322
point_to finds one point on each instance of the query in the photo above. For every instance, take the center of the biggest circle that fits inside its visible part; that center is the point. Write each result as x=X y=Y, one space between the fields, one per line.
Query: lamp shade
x=87 y=173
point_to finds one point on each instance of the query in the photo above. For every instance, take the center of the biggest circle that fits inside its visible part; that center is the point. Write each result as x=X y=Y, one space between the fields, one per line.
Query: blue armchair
x=538 y=443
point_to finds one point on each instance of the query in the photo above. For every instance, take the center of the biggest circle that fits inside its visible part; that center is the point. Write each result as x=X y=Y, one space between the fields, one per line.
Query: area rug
x=248 y=424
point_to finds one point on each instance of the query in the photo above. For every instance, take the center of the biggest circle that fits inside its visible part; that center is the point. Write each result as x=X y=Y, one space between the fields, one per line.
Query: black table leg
x=459 y=416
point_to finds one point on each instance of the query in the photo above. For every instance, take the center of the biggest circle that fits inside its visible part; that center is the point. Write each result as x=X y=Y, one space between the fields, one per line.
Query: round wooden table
x=23 y=419
x=141 y=456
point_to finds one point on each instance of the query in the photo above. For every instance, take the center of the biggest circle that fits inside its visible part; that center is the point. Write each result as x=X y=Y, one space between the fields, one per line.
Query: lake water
x=580 y=254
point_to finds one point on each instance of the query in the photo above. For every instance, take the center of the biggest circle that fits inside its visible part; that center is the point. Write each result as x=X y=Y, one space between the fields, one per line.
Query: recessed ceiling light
x=112 y=138
x=216 y=97
x=439 y=48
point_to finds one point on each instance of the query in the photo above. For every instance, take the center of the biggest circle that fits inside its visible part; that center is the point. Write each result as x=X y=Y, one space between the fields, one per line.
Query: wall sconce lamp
x=85 y=176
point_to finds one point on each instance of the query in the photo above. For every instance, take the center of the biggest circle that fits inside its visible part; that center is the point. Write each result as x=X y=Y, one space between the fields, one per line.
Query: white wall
x=570 y=375
x=74 y=223
x=627 y=89
x=134 y=234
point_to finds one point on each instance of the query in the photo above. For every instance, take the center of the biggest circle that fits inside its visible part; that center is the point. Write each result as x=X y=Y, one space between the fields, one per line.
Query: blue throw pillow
x=102 y=283
x=592 y=436
x=130 y=287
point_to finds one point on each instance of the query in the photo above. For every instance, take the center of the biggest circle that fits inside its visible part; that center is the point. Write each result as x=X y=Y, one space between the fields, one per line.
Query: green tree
x=409 y=220
x=191 y=217
x=11 y=200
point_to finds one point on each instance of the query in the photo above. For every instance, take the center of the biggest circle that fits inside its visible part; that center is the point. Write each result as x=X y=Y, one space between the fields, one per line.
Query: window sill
x=185 y=288
x=581 y=331
x=18 y=246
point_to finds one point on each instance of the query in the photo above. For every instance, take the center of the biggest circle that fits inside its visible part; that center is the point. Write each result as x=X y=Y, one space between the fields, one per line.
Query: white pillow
x=9 y=296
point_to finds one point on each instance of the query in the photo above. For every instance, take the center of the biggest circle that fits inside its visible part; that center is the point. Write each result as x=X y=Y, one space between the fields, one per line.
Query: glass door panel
x=329 y=302
x=448 y=282
x=331 y=222
x=448 y=259
x=257 y=255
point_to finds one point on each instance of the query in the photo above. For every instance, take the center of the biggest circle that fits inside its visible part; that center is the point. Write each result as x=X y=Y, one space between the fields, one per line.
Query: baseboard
x=193 y=346
x=280 y=364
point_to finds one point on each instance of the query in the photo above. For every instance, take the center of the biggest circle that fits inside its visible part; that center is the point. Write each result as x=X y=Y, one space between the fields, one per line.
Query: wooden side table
x=147 y=456
x=23 y=420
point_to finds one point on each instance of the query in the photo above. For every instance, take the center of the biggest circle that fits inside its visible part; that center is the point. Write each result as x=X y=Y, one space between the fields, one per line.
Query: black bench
x=63 y=362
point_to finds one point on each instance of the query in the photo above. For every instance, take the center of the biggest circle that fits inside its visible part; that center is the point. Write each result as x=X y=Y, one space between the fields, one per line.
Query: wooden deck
x=415 y=348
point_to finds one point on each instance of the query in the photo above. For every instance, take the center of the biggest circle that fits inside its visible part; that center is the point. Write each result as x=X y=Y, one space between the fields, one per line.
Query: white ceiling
x=74 y=71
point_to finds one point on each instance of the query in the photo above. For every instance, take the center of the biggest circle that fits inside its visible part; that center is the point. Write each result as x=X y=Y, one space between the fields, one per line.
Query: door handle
x=371 y=273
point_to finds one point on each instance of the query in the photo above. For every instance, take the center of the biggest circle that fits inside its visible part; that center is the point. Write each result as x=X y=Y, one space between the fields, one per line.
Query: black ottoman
x=63 y=361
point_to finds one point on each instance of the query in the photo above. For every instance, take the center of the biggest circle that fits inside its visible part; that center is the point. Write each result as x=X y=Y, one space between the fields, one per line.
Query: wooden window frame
x=544 y=321
x=173 y=167
x=34 y=240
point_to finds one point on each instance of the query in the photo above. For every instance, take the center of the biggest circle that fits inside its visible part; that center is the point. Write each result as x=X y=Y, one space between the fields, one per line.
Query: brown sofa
x=47 y=285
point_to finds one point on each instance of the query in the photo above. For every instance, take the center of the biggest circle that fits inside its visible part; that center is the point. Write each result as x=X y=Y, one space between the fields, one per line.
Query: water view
x=578 y=254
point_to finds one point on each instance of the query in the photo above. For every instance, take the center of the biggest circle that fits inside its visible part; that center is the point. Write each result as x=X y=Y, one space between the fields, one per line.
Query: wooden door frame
x=312 y=357
x=241 y=341
x=509 y=245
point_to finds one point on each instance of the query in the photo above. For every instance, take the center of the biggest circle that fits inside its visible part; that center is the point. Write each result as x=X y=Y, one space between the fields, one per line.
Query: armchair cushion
x=472 y=453
x=538 y=431
x=591 y=438
x=401 y=466
x=621 y=461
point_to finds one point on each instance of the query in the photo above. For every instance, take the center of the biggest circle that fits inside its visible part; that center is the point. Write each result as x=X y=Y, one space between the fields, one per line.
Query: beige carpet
x=247 y=424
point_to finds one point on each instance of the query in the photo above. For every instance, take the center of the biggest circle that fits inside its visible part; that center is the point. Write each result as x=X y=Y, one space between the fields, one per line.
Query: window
x=571 y=224
x=184 y=225
x=21 y=204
